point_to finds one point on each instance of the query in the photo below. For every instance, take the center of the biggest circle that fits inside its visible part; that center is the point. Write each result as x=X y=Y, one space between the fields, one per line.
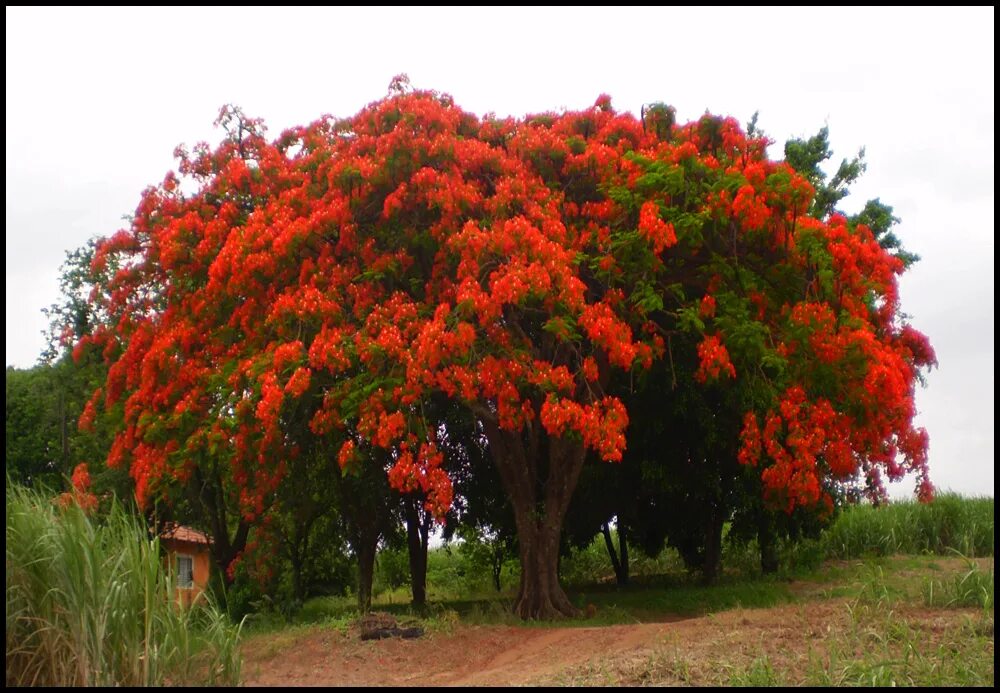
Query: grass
x=89 y=603
x=891 y=650
x=971 y=587
x=873 y=629
x=894 y=595
x=948 y=524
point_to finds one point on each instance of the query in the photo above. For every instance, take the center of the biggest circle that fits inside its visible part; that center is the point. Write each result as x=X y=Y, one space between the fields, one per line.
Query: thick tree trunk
x=417 y=530
x=225 y=551
x=540 y=595
x=366 y=573
x=213 y=508
x=539 y=505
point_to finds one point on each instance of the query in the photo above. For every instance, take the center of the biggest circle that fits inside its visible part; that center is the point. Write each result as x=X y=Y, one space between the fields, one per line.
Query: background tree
x=37 y=445
x=45 y=402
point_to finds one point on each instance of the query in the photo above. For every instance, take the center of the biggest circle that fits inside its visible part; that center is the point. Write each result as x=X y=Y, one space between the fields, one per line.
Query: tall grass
x=90 y=603
x=949 y=524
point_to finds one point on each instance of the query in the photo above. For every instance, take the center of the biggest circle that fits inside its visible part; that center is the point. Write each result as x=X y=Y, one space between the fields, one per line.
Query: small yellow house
x=189 y=560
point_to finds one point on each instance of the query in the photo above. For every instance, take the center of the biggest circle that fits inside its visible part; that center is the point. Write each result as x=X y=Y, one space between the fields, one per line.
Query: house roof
x=177 y=532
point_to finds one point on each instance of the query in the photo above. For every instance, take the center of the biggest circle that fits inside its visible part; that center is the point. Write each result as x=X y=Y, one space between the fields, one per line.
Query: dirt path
x=697 y=650
x=511 y=655
x=467 y=656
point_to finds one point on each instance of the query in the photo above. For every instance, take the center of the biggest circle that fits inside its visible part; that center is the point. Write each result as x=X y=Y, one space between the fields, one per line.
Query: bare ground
x=698 y=650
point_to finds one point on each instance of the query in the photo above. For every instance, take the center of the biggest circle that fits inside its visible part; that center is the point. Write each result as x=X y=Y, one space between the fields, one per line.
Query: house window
x=185 y=571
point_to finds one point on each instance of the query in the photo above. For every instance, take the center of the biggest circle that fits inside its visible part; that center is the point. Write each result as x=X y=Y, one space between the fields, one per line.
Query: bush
x=90 y=603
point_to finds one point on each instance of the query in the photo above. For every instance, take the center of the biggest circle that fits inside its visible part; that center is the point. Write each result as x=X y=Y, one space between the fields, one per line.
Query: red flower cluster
x=659 y=233
x=416 y=251
x=714 y=360
x=80 y=495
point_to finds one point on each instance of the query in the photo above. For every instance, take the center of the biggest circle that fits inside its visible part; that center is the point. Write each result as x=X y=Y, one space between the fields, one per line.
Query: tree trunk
x=225 y=551
x=213 y=508
x=417 y=530
x=713 y=547
x=498 y=557
x=623 y=551
x=539 y=510
x=298 y=590
x=768 y=550
x=540 y=595
x=366 y=573
x=609 y=544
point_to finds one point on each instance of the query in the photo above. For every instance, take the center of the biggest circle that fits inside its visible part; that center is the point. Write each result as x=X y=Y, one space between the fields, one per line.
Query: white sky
x=97 y=99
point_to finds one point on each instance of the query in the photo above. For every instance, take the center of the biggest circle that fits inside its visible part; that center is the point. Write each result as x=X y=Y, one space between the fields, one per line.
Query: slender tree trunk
x=765 y=539
x=623 y=551
x=297 y=588
x=606 y=531
x=713 y=547
x=417 y=530
x=366 y=572
x=497 y=567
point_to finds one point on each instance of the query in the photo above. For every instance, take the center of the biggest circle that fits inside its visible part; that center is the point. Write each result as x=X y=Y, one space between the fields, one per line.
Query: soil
x=466 y=656
x=681 y=651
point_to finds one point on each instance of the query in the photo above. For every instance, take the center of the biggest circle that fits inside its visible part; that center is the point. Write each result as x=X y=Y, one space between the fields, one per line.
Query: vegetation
x=318 y=346
x=949 y=524
x=414 y=290
x=90 y=603
x=918 y=619
x=460 y=581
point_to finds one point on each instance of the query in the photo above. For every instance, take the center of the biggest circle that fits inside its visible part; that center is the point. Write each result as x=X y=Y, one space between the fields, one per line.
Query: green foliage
x=89 y=603
x=949 y=523
x=43 y=442
x=490 y=555
x=392 y=569
x=460 y=571
x=45 y=402
x=34 y=449
x=806 y=156
x=878 y=216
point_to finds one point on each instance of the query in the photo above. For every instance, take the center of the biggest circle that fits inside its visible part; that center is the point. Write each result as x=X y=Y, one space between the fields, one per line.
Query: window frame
x=190 y=585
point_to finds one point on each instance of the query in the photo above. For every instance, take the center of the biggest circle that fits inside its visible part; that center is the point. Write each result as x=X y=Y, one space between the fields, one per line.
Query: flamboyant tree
x=332 y=282
x=682 y=478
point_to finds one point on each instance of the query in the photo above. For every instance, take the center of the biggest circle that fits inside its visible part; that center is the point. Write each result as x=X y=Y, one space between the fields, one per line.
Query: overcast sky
x=97 y=99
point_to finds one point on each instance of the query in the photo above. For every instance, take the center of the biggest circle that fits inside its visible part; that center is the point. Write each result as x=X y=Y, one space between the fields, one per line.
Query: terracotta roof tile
x=182 y=533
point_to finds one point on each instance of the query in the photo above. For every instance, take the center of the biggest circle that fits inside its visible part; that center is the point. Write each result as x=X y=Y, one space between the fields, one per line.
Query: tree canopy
x=336 y=283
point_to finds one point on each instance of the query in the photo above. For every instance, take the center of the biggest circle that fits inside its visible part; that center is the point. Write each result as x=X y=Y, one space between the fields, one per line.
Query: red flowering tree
x=328 y=284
